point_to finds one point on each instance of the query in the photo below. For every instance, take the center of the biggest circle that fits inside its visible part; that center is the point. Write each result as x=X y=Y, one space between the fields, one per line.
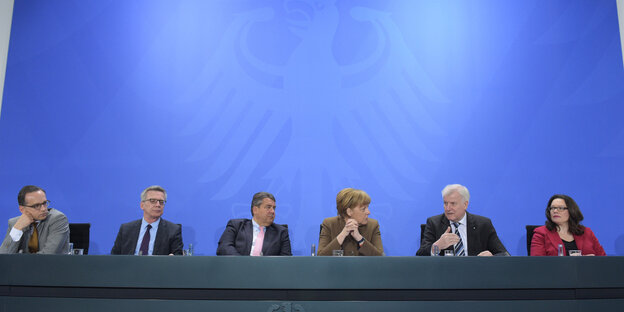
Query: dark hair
x=25 y=190
x=574 y=211
x=256 y=201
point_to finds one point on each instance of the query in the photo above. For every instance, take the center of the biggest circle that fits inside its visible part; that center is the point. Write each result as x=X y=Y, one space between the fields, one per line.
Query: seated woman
x=352 y=230
x=563 y=227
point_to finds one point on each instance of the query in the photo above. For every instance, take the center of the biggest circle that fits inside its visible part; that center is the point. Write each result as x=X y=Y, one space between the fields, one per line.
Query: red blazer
x=545 y=243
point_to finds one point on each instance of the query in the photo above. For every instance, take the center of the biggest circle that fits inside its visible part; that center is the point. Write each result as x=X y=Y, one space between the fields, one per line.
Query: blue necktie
x=459 y=247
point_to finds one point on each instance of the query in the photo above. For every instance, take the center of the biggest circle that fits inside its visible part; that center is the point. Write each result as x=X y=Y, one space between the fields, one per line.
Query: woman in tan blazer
x=352 y=230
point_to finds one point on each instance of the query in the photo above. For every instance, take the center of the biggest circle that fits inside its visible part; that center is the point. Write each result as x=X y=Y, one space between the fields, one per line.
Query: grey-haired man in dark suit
x=151 y=235
x=463 y=233
x=39 y=229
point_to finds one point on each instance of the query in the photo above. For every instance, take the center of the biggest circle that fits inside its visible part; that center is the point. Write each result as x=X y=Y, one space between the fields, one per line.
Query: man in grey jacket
x=39 y=229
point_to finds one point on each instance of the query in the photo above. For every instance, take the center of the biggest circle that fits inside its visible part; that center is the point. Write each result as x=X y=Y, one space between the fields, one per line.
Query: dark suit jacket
x=480 y=231
x=238 y=235
x=53 y=235
x=545 y=243
x=168 y=238
x=328 y=241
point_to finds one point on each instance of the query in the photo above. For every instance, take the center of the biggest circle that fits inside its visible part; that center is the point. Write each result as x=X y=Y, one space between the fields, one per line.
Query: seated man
x=258 y=236
x=457 y=230
x=156 y=235
x=39 y=229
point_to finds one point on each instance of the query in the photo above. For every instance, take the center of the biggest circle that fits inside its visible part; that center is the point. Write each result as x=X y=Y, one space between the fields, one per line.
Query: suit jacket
x=480 y=233
x=237 y=238
x=168 y=238
x=545 y=243
x=53 y=235
x=328 y=239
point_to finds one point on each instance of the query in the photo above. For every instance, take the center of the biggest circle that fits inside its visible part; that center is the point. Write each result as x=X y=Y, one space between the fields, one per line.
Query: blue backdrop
x=216 y=100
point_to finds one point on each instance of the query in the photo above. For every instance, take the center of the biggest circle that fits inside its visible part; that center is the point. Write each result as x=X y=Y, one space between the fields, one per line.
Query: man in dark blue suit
x=151 y=235
x=258 y=236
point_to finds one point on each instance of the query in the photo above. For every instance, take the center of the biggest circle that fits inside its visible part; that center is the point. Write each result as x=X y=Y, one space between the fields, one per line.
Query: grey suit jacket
x=53 y=235
x=168 y=238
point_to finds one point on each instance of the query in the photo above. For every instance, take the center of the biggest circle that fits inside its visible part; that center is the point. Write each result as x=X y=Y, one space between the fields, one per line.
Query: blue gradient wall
x=216 y=100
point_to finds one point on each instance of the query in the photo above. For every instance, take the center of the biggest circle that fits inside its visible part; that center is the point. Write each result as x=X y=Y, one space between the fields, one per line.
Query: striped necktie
x=459 y=247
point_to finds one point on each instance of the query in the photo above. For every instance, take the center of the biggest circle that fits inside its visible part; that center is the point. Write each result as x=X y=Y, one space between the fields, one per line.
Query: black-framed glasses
x=45 y=204
x=155 y=201
x=558 y=208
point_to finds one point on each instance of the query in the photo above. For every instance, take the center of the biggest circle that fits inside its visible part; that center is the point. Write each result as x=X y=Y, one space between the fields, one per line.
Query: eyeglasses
x=154 y=201
x=558 y=208
x=45 y=204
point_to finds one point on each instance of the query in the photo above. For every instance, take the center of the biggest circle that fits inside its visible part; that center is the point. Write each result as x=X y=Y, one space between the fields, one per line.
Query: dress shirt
x=153 y=232
x=16 y=234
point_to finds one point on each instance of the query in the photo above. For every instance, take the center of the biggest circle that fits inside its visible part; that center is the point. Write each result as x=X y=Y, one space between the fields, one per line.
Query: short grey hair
x=157 y=188
x=256 y=201
x=462 y=190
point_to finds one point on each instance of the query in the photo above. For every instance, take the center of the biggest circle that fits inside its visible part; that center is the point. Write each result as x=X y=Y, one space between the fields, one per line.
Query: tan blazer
x=330 y=229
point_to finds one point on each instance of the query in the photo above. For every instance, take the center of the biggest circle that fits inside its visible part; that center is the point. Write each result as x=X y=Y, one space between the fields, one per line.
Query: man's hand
x=24 y=221
x=486 y=253
x=447 y=239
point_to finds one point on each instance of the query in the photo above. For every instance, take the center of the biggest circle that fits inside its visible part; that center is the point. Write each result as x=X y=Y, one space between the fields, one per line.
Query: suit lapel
x=554 y=238
x=42 y=229
x=445 y=224
x=268 y=237
x=579 y=242
x=472 y=233
x=134 y=237
x=158 y=241
x=247 y=232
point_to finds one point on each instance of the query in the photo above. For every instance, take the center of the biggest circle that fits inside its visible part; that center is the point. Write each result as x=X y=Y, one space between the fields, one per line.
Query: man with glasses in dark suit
x=39 y=229
x=151 y=235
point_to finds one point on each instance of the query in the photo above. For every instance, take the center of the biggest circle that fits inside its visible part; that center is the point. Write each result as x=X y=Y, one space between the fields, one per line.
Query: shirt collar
x=145 y=223
x=462 y=221
x=256 y=226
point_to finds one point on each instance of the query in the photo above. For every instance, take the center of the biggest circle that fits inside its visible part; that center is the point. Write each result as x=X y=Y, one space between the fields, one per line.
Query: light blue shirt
x=153 y=232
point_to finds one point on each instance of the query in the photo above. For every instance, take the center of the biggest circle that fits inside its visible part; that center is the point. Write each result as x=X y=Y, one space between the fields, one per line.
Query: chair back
x=530 y=229
x=79 y=235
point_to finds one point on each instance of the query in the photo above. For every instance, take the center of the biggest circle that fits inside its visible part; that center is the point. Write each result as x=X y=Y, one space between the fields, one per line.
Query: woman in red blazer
x=563 y=228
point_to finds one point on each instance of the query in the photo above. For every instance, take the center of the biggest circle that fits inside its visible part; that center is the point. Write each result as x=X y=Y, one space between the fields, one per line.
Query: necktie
x=144 y=250
x=459 y=247
x=259 y=241
x=33 y=242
